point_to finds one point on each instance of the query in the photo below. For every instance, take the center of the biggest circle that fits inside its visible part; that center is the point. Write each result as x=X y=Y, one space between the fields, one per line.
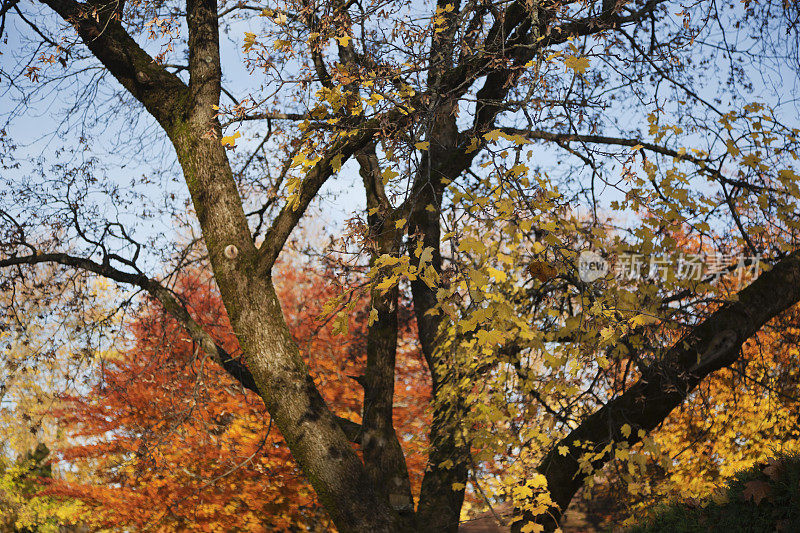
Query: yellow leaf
x=386 y=284
x=373 y=316
x=578 y=64
x=523 y=492
x=336 y=163
x=249 y=41
x=516 y=170
x=343 y=40
x=230 y=140
x=625 y=430
x=532 y=528
x=607 y=332
x=492 y=135
x=389 y=175
x=340 y=323
x=458 y=486
x=563 y=450
x=489 y=338
x=499 y=275
x=422 y=145
x=537 y=480
x=470 y=244
x=517 y=139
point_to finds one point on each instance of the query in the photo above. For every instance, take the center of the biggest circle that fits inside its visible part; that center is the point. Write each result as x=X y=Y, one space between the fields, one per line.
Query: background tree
x=172 y=442
x=22 y=506
x=449 y=117
x=47 y=347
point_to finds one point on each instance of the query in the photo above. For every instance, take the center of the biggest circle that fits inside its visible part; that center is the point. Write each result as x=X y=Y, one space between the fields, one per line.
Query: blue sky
x=39 y=134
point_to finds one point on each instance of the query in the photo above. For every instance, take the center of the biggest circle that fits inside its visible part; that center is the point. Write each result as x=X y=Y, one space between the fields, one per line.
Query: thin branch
x=341 y=150
x=704 y=164
x=47 y=39
x=177 y=309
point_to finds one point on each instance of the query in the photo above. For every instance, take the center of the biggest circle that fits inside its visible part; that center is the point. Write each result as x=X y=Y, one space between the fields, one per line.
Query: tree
x=740 y=417
x=36 y=370
x=174 y=443
x=438 y=113
x=22 y=507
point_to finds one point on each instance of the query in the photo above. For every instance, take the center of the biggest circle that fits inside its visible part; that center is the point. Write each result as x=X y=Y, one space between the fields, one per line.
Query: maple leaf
x=578 y=64
x=249 y=41
x=756 y=490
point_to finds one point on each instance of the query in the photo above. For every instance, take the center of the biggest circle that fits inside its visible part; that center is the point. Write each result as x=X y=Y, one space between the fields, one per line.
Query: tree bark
x=383 y=455
x=442 y=492
x=311 y=431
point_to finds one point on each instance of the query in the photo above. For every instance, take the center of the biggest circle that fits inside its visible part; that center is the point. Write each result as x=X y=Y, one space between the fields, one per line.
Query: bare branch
x=159 y=90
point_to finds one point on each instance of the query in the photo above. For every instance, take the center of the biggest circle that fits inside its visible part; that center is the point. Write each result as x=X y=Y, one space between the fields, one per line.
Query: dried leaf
x=542 y=271
x=756 y=490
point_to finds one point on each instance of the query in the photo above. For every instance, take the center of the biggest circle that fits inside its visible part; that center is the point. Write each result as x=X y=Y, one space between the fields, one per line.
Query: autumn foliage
x=492 y=147
x=175 y=444
x=763 y=498
x=740 y=417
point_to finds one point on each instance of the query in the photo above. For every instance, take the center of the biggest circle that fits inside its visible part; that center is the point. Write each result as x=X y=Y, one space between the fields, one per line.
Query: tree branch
x=704 y=164
x=714 y=344
x=341 y=149
x=160 y=91
x=177 y=310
